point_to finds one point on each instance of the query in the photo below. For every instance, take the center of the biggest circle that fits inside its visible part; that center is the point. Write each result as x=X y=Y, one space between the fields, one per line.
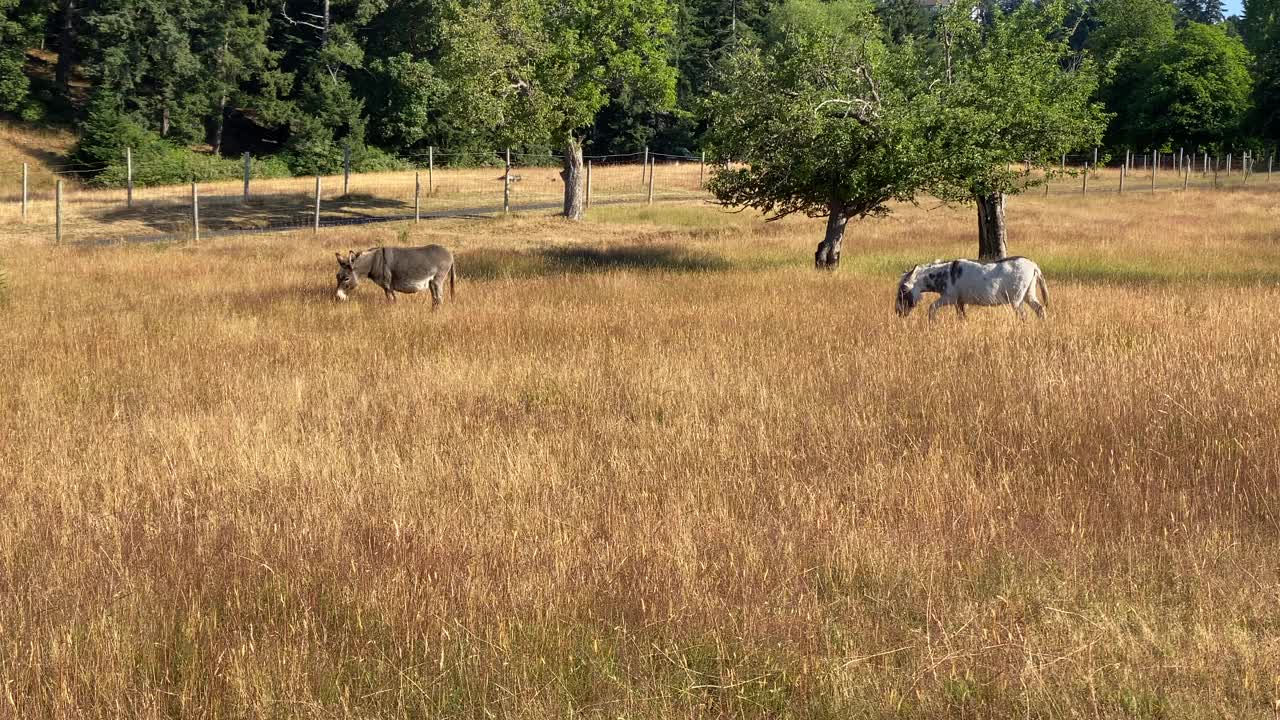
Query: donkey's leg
x=391 y=295
x=436 y=292
x=960 y=309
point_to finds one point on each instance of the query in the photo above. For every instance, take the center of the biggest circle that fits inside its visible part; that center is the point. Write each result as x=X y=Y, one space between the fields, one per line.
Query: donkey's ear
x=341 y=260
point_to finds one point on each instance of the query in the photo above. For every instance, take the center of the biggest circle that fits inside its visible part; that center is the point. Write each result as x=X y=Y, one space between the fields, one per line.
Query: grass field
x=648 y=466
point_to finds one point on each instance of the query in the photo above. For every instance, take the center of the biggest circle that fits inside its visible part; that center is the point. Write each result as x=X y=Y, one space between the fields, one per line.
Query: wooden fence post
x=1204 y=168
x=1123 y=170
x=586 y=205
x=1153 y=173
x=346 y=168
x=1229 y=164
x=1095 y=156
x=417 y=197
x=1270 y=159
x=248 y=170
x=1062 y=163
x=702 y=167
x=1084 y=179
x=431 y=170
x=195 y=213
x=651 y=164
x=506 y=185
x=315 y=226
x=128 y=175
x=1186 y=176
x=57 y=211
x=24 y=191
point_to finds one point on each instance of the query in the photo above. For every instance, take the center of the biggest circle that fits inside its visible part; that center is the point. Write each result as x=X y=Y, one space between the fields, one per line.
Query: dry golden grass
x=649 y=466
x=42 y=150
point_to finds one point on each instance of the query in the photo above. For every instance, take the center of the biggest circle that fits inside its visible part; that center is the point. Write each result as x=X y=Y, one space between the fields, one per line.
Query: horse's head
x=908 y=292
x=347 y=276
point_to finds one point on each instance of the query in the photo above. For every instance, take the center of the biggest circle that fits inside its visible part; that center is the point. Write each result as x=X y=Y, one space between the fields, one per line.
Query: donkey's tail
x=1044 y=289
x=453 y=274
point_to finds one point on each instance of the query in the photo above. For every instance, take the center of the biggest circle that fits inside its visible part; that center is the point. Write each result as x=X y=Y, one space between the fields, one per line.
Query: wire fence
x=486 y=186
x=1160 y=172
x=445 y=184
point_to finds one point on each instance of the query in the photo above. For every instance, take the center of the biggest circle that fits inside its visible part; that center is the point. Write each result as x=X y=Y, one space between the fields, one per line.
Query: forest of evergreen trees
x=294 y=81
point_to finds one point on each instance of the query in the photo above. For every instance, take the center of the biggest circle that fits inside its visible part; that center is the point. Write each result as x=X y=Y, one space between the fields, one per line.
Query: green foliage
x=405 y=97
x=903 y=19
x=1007 y=89
x=1261 y=30
x=108 y=131
x=1202 y=11
x=1130 y=29
x=1199 y=89
x=820 y=118
x=535 y=71
x=161 y=163
x=14 y=37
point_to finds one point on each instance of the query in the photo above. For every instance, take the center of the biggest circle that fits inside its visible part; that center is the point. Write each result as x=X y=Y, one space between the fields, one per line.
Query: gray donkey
x=398 y=269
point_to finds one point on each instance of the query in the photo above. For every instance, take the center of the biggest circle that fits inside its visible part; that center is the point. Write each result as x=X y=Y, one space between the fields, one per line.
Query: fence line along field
x=164 y=212
x=648 y=466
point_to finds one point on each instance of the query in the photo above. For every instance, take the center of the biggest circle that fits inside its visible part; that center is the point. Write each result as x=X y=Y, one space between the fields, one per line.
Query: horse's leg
x=937 y=304
x=1036 y=306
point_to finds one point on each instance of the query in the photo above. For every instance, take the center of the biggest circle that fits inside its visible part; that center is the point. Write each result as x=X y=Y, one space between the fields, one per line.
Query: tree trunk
x=828 y=255
x=217 y=130
x=572 y=176
x=992 y=237
x=164 y=122
x=66 y=48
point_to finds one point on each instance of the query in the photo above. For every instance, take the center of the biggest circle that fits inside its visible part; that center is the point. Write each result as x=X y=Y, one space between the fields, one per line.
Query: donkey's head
x=347 y=276
x=908 y=292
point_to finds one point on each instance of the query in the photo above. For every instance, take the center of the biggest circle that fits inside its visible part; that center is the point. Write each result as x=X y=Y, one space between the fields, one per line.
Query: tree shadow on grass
x=226 y=213
x=581 y=259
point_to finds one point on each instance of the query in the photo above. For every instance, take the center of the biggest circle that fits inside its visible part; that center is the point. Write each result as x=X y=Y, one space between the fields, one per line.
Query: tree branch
x=284 y=12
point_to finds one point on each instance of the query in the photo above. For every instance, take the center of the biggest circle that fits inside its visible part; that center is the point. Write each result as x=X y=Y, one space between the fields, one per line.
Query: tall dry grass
x=649 y=466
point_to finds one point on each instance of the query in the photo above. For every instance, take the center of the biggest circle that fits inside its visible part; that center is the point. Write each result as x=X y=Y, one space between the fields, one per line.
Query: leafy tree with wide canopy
x=528 y=72
x=818 y=121
x=1007 y=93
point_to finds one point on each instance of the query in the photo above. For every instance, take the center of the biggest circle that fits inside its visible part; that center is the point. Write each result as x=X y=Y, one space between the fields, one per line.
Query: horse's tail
x=1044 y=289
x=453 y=274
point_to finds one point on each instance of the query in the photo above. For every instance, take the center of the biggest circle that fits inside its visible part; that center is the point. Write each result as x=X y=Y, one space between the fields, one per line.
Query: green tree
x=1197 y=90
x=1207 y=12
x=139 y=51
x=14 y=37
x=232 y=50
x=1006 y=90
x=819 y=121
x=1129 y=35
x=902 y=19
x=539 y=71
x=1261 y=30
x=321 y=55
